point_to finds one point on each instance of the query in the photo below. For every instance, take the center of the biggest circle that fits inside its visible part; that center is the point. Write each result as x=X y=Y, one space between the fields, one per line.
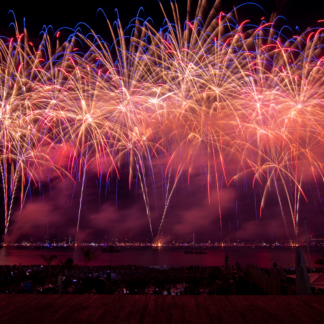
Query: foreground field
x=160 y=309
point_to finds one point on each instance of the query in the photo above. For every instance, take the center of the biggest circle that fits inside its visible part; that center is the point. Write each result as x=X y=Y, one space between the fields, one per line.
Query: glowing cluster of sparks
x=222 y=94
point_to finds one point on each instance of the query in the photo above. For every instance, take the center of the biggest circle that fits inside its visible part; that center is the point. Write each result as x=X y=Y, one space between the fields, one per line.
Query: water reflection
x=160 y=256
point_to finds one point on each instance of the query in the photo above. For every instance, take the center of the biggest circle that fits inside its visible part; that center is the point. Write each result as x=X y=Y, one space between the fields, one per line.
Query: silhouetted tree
x=67 y=264
x=89 y=255
x=49 y=260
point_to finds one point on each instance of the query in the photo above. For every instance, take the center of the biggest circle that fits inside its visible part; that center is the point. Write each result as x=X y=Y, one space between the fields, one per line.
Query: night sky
x=107 y=213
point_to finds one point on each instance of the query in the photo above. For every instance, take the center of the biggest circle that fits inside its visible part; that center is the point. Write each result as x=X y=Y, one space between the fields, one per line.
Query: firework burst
x=216 y=93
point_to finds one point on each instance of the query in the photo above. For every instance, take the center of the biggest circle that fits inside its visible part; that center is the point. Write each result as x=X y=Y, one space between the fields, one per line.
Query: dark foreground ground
x=160 y=309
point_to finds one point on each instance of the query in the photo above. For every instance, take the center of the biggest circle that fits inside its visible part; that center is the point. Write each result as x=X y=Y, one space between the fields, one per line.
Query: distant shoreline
x=159 y=247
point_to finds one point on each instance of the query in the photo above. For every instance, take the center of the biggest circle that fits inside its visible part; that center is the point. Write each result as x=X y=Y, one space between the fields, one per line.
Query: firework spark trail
x=12 y=199
x=168 y=199
x=235 y=94
x=81 y=196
